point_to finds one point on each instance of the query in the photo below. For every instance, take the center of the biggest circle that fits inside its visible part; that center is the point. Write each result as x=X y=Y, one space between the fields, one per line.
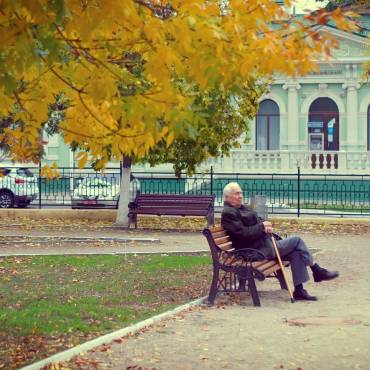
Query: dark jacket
x=246 y=229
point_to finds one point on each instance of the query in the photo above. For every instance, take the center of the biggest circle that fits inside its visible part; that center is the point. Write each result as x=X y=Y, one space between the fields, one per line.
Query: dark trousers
x=295 y=251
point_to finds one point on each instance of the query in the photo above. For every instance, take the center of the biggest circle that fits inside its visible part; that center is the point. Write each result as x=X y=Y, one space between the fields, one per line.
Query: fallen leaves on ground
x=64 y=283
x=16 y=351
x=186 y=224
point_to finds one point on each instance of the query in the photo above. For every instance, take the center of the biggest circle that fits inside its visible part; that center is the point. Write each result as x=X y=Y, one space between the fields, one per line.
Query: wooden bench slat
x=222 y=239
x=171 y=206
x=152 y=195
x=226 y=246
x=257 y=264
x=173 y=212
x=167 y=196
x=168 y=199
x=219 y=234
x=267 y=265
x=178 y=203
x=164 y=207
x=274 y=268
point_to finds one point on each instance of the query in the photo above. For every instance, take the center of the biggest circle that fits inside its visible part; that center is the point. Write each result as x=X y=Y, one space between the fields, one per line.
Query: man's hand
x=268 y=227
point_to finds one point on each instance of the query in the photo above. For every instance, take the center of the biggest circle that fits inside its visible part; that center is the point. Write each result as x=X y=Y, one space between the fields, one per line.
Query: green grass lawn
x=51 y=303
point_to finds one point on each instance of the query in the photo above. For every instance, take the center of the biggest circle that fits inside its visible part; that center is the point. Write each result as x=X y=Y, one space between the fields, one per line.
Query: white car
x=94 y=192
x=18 y=187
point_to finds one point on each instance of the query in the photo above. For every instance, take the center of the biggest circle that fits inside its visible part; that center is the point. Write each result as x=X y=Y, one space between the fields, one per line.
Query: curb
x=132 y=329
x=82 y=238
x=110 y=215
x=328 y=219
x=101 y=253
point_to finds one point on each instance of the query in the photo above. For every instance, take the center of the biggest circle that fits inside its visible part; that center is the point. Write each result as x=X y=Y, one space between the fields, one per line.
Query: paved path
x=108 y=241
x=17 y=241
x=333 y=333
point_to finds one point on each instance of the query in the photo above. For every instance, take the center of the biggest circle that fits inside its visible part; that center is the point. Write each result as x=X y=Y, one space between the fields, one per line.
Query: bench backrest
x=218 y=237
x=203 y=203
x=218 y=241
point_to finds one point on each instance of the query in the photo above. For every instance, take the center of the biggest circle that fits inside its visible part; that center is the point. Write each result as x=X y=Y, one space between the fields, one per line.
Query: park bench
x=231 y=271
x=172 y=205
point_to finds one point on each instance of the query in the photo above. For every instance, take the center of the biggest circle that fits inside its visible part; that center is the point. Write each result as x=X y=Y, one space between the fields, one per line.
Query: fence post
x=39 y=184
x=211 y=180
x=299 y=191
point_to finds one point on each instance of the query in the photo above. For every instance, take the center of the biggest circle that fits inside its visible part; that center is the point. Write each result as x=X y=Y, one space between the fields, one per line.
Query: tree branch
x=114 y=132
x=162 y=11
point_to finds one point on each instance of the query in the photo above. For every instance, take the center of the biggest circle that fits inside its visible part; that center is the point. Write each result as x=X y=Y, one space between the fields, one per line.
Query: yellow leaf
x=82 y=159
x=169 y=139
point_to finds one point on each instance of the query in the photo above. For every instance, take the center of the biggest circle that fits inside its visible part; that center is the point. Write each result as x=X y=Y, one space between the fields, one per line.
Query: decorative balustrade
x=359 y=161
x=287 y=161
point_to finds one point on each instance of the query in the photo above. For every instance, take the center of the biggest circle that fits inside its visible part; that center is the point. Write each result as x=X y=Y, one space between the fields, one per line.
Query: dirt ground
x=332 y=333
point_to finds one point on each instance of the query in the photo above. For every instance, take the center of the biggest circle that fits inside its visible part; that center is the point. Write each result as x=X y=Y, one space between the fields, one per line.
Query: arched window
x=323 y=125
x=268 y=126
x=368 y=128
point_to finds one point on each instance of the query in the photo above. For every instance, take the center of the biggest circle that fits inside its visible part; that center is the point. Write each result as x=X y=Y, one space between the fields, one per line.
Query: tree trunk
x=124 y=194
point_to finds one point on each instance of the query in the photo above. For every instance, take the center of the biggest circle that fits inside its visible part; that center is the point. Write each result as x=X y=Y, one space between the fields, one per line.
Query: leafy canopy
x=118 y=64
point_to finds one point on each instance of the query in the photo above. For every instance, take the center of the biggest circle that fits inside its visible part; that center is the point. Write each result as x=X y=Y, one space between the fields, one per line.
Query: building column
x=293 y=116
x=352 y=116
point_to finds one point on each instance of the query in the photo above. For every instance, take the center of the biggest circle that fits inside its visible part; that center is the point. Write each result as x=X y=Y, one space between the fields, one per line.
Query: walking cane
x=282 y=268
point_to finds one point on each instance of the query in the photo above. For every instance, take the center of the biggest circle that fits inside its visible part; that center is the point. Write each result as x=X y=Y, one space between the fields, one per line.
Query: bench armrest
x=249 y=254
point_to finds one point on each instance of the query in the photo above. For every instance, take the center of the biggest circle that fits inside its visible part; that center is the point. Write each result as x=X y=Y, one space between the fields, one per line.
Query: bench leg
x=213 y=289
x=132 y=219
x=253 y=290
x=281 y=279
x=242 y=282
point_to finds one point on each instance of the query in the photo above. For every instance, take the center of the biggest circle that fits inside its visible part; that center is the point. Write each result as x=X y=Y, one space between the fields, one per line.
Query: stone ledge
x=323 y=220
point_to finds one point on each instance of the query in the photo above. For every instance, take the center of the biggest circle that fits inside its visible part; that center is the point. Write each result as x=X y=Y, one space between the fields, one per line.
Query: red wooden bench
x=172 y=205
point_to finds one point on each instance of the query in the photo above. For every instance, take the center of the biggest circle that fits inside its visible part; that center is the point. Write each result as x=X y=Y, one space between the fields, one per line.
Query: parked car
x=94 y=192
x=18 y=187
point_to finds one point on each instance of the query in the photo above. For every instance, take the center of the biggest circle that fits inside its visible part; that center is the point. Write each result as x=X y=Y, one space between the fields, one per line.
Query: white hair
x=229 y=188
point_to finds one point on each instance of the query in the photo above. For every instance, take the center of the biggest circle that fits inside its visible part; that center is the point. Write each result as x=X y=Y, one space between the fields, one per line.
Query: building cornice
x=345 y=35
x=314 y=80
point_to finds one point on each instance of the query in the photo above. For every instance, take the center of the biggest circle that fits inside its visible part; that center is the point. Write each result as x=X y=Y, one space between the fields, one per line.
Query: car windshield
x=94 y=183
x=24 y=172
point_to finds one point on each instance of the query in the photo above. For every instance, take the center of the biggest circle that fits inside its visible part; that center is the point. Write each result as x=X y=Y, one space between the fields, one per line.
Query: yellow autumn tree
x=116 y=63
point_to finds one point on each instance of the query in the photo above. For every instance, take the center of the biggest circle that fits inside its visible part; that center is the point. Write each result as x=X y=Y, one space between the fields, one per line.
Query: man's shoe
x=323 y=274
x=302 y=295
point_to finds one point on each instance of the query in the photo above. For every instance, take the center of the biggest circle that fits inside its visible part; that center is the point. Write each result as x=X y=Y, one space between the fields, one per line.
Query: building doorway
x=323 y=118
x=323 y=133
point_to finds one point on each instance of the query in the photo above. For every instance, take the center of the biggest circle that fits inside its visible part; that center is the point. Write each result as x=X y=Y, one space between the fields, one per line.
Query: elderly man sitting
x=246 y=229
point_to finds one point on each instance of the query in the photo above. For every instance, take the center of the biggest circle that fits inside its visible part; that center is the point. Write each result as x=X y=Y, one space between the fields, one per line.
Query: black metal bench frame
x=172 y=205
x=234 y=277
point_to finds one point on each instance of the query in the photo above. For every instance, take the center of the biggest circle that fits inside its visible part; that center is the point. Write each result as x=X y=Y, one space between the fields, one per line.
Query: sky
x=301 y=5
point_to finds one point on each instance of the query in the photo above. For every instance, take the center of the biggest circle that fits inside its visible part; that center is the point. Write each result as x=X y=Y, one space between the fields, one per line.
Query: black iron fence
x=297 y=194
